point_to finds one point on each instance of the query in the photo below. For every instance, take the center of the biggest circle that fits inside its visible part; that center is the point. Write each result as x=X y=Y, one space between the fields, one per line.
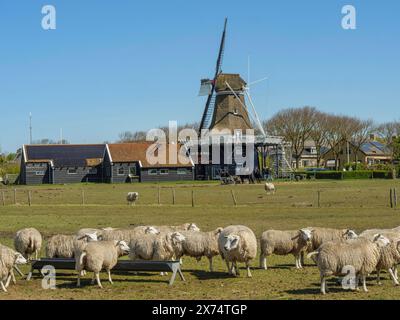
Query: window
x=72 y=171
x=132 y=171
x=39 y=173
x=121 y=171
x=164 y=171
x=92 y=171
x=182 y=171
x=153 y=172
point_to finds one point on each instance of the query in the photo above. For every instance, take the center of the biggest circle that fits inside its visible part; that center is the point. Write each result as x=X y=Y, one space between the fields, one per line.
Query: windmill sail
x=209 y=108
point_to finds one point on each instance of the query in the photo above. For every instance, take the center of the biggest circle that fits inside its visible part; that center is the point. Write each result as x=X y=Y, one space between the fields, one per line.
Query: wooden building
x=127 y=162
x=62 y=163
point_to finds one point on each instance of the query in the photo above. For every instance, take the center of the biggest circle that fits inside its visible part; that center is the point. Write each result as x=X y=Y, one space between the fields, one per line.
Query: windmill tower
x=226 y=109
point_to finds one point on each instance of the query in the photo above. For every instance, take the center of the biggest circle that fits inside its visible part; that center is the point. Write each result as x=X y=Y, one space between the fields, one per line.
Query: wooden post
x=159 y=195
x=15 y=196
x=173 y=196
x=192 y=198
x=29 y=197
x=391 y=197
x=395 y=197
x=233 y=197
x=319 y=198
x=3 y=198
x=83 y=197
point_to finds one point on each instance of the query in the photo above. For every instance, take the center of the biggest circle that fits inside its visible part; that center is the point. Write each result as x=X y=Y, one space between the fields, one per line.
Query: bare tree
x=319 y=133
x=128 y=136
x=388 y=131
x=361 y=135
x=295 y=125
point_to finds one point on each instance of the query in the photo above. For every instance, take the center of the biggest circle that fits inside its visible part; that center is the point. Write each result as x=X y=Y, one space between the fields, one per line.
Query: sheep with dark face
x=283 y=243
x=132 y=197
x=237 y=244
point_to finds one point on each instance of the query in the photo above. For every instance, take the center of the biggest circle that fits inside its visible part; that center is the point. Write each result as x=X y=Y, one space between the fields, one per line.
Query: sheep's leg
x=248 y=270
x=180 y=261
x=98 y=279
x=8 y=280
x=228 y=267
x=302 y=258
x=93 y=278
x=211 y=264
x=232 y=269
x=237 y=269
x=378 y=277
x=13 y=276
x=263 y=261
x=323 y=285
x=2 y=286
x=364 y=281
x=109 y=276
x=396 y=282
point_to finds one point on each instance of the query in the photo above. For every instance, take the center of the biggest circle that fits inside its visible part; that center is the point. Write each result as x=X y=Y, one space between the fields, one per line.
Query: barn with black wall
x=62 y=163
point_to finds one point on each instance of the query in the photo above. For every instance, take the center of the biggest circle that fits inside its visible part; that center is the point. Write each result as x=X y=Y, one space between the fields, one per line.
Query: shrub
x=357 y=174
x=328 y=175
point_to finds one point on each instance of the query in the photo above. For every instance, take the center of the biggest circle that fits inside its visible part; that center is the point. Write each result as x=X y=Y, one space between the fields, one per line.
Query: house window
x=121 y=171
x=182 y=171
x=153 y=172
x=72 y=171
x=39 y=173
x=164 y=171
x=132 y=171
x=92 y=171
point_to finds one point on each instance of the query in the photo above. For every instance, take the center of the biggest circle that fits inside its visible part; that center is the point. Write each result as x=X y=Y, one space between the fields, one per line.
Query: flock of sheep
x=333 y=250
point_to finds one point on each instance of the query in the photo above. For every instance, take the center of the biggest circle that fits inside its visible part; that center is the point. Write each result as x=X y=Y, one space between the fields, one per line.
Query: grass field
x=358 y=204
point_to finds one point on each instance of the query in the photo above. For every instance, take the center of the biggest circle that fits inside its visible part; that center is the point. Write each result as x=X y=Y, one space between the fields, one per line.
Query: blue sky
x=112 y=66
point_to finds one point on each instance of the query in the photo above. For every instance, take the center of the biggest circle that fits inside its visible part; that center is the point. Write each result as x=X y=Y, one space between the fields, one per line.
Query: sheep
x=322 y=235
x=100 y=255
x=164 y=246
x=284 y=243
x=99 y=232
x=333 y=257
x=237 y=243
x=199 y=244
x=269 y=187
x=128 y=234
x=65 y=246
x=132 y=197
x=8 y=260
x=28 y=241
x=179 y=228
x=390 y=256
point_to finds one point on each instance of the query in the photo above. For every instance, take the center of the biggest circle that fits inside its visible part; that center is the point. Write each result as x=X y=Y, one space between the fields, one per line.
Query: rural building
x=308 y=157
x=371 y=153
x=62 y=163
x=127 y=162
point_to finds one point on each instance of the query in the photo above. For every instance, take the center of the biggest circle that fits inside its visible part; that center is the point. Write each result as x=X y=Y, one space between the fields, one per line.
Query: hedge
x=357 y=174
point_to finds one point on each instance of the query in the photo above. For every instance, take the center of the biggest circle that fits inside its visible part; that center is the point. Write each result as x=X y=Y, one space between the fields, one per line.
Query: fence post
x=159 y=195
x=3 y=198
x=83 y=197
x=233 y=197
x=391 y=197
x=15 y=196
x=319 y=198
x=173 y=196
x=192 y=198
x=395 y=197
x=29 y=197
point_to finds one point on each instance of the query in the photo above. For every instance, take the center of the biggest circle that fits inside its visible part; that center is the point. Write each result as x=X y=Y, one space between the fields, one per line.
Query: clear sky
x=112 y=66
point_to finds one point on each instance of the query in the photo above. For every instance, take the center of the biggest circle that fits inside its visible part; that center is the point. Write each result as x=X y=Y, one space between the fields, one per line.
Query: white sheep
x=269 y=188
x=283 y=243
x=237 y=243
x=99 y=232
x=190 y=226
x=128 y=234
x=132 y=197
x=362 y=255
x=388 y=260
x=28 y=241
x=8 y=260
x=65 y=246
x=164 y=246
x=100 y=255
x=199 y=244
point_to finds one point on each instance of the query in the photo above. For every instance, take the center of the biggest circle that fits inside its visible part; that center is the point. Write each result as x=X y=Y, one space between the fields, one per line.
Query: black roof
x=64 y=155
